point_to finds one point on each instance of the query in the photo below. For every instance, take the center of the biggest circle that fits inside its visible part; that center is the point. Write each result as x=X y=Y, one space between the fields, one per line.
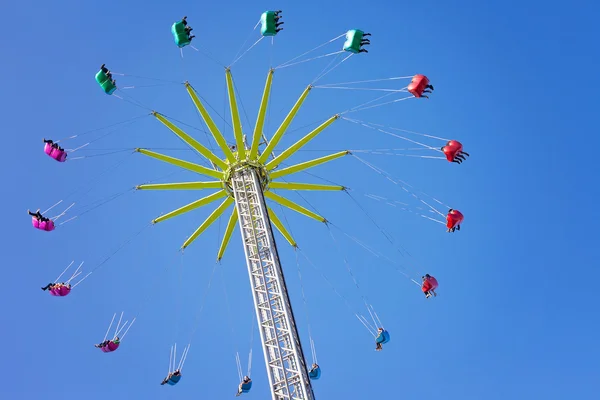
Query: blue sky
x=516 y=314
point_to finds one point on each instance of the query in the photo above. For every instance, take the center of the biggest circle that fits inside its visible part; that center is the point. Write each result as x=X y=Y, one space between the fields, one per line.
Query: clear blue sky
x=516 y=315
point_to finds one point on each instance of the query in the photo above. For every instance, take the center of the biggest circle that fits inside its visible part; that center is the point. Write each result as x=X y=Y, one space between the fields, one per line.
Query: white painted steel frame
x=286 y=365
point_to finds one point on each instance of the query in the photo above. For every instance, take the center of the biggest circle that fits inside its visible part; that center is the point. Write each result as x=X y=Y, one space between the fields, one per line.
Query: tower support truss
x=286 y=366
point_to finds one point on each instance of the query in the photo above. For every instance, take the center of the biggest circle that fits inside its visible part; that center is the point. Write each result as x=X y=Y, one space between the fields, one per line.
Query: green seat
x=268 y=24
x=105 y=83
x=353 y=39
x=180 y=36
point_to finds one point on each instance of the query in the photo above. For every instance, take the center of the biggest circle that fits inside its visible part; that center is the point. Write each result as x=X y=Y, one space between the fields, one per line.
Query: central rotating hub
x=238 y=167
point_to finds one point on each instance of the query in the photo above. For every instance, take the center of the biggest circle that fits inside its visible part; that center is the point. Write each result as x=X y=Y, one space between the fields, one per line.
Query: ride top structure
x=244 y=179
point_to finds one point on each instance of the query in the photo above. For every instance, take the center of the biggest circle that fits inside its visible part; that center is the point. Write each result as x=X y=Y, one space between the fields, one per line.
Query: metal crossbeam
x=288 y=374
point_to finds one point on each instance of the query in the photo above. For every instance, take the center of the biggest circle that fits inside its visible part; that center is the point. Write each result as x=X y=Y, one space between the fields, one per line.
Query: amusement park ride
x=243 y=179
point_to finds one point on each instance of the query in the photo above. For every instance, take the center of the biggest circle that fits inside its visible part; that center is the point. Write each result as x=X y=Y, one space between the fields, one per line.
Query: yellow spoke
x=192 y=206
x=284 y=125
x=191 y=141
x=293 y=206
x=280 y=227
x=208 y=221
x=303 y=186
x=182 y=186
x=199 y=169
x=235 y=117
x=300 y=143
x=307 y=164
x=210 y=123
x=228 y=232
x=260 y=119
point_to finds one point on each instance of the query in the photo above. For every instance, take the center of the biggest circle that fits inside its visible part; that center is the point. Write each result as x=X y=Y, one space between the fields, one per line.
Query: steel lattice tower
x=280 y=340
